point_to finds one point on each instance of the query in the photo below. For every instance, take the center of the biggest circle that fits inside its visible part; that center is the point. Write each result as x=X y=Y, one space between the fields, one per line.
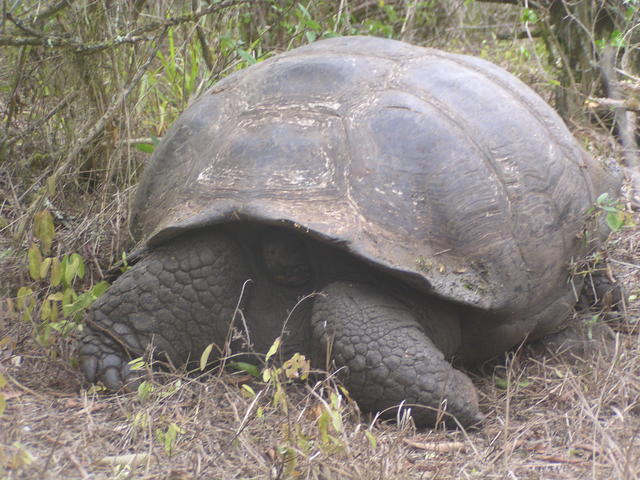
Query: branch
x=36 y=125
x=111 y=111
x=625 y=122
x=530 y=3
x=51 y=10
x=511 y=2
x=629 y=104
x=202 y=38
x=519 y=35
x=37 y=38
x=94 y=131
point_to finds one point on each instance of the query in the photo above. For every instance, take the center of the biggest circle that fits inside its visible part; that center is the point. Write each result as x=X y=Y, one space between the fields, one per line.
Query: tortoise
x=398 y=209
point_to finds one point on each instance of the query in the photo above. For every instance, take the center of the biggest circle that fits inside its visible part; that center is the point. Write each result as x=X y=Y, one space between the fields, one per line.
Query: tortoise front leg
x=178 y=299
x=388 y=357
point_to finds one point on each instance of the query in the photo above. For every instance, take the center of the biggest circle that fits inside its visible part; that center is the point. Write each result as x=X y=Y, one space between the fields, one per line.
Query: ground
x=547 y=417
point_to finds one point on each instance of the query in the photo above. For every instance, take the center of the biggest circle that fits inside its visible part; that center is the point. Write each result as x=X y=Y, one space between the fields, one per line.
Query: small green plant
x=506 y=383
x=330 y=421
x=51 y=302
x=590 y=323
x=169 y=436
x=327 y=437
x=295 y=368
x=145 y=389
x=615 y=215
x=529 y=16
x=147 y=148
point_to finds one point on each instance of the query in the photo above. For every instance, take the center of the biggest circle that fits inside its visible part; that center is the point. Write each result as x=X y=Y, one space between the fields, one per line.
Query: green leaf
x=617 y=39
x=145 y=389
x=336 y=417
x=145 y=147
x=72 y=267
x=373 y=441
x=501 y=382
x=99 y=288
x=273 y=349
x=504 y=383
x=305 y=12
x=529 y=16
x=43 y=229
x=44 y=268
x=35 y=261
x=609 y=209
x=56 y=272
x=615 y=220
x=248 y=389
x=57 y=297
x=323 y=427
x=81 y=303
x=136 y=364
x=45 y=310
x=24 y=299
x=169 y=437
x=79 y=263
x=246 y=56
x=246 y=367
x=204 y=358
x=63 y=327
x=68 y=299
x=297 y=367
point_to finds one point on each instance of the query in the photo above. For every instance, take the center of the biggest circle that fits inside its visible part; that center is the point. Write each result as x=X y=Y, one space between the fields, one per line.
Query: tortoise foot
x=388 y=361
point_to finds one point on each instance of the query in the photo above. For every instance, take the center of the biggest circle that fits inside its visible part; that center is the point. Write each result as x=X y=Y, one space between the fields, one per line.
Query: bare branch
x=202 y=38
x=628 y=104
x=101 y=123
x=511 y=2
x=531 y=4
x=37 y=38
x=625 y=121
x=519 y=35
x=51 y=10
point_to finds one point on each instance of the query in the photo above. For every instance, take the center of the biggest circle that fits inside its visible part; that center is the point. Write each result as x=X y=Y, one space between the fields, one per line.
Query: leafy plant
x=615 y=215
x=169 y=436
x=54 y=305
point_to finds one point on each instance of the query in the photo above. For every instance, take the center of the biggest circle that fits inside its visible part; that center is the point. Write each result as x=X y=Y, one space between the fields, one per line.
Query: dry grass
x=551 y=420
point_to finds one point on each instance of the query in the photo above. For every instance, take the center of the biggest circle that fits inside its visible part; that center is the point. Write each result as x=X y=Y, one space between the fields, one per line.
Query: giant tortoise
x=431 y=203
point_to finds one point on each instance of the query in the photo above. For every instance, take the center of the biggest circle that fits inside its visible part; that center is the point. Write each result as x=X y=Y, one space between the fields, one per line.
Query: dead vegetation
x=79 y=118
x=546 y=418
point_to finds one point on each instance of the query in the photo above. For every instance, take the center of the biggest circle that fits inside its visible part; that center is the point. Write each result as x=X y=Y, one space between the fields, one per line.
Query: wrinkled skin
x=396 y=345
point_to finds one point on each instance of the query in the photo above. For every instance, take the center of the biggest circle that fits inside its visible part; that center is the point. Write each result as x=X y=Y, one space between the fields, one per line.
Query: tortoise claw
x=102 y=362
